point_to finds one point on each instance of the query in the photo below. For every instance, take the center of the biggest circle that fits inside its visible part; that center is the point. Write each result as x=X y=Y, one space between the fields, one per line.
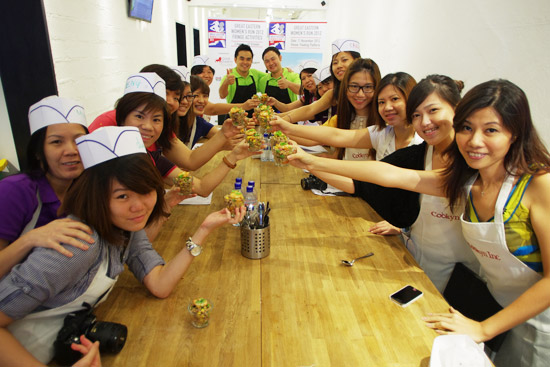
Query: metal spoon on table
x=350 y=263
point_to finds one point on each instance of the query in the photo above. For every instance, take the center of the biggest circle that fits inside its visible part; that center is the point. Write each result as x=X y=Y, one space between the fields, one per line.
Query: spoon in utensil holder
x=350 y=263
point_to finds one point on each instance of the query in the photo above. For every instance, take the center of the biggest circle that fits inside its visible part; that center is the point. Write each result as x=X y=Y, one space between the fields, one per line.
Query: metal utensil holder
x=255 y=243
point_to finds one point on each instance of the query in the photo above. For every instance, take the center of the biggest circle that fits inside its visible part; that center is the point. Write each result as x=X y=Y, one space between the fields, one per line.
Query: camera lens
x=111 y=336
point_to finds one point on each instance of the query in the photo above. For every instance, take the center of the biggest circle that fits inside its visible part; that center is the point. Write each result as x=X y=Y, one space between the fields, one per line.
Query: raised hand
x=221 y=217
x=278 y=123
x=250 y=104
x=301 y=159
x=230 y=77
x=282 y=82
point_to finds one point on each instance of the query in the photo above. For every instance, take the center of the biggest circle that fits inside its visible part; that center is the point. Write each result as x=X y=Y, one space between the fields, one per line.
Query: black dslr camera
x=313 y=182
x=111 y=336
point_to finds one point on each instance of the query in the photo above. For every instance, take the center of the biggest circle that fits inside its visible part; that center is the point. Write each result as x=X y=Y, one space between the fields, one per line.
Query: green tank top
x=520 y=236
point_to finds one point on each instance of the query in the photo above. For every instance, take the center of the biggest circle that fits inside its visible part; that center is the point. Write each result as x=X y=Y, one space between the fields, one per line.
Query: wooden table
x=297 y=307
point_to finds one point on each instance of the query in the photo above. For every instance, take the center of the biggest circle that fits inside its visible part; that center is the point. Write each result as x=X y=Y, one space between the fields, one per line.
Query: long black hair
x=527 y=153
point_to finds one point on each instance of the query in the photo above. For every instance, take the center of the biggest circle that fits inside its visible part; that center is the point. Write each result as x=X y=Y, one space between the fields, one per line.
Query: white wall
x=96 y=46
x=470 y=40
x=7 y=145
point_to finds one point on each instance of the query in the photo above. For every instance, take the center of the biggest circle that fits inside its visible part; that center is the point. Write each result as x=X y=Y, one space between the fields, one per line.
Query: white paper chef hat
x=182 y=71
x=308 y=64
x=146 y=82
x=107 y=143
x=55 y=110
x=340 y=45
x=202 y=60
x=321 y=74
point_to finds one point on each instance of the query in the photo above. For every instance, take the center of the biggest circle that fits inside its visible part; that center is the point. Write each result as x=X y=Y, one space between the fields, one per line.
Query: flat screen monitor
x=141 y=9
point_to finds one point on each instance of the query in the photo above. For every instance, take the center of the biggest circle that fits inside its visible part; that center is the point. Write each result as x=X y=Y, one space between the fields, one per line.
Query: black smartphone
x=406 y=295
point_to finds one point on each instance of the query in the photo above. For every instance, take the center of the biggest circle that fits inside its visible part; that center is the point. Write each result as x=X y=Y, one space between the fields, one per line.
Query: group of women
x=462 y=180
x=482 y=172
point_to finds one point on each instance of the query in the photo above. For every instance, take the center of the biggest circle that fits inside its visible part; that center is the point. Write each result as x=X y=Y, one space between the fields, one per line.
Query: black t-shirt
x=162 y=163
x=399 y=207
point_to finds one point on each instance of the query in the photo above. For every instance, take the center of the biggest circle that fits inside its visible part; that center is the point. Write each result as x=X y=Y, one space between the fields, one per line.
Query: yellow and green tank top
x=520 y=236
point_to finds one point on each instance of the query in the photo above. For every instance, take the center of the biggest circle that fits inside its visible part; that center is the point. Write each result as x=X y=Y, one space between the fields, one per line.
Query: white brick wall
x=96 y=46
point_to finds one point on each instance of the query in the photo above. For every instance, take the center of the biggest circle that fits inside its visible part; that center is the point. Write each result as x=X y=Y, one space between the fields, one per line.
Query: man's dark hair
x=243 y=47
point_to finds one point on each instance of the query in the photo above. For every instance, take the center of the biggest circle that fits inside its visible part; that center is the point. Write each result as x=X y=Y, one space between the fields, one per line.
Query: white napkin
x=314 y=149
x=197 y=200
x=458 y=351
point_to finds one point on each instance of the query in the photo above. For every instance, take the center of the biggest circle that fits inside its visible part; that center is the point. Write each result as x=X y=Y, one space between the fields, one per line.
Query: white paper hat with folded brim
x=321 y=74
x=308 y=64
x=108 y=143
x=342 y=44
x=182 y=71
x=202 y=60
x=146 y=82
x=55 y=110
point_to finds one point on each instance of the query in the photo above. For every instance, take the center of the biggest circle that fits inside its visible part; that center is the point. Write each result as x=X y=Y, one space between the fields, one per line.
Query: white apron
x=436 y=240
x=528 y=344
x=37 y=331
x=356 y=154
x=384 y=149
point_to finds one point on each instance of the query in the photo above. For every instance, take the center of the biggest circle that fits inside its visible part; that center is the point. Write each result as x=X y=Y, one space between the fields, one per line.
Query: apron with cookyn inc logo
x=436 y=239
x=528 y=344
x=357 y=154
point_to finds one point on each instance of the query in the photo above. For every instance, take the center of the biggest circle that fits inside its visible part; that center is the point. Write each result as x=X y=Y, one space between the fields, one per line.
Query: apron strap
x=505 y=190
x=32 y=223
x=192 y=135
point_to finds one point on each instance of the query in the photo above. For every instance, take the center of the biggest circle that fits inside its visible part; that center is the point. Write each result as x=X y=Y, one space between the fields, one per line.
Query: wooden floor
x=297 y=307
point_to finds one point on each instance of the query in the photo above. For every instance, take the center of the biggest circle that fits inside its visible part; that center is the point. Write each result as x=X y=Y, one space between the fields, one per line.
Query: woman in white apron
x=496 y=144
x=118 y=194
x=355 y=113
x=385 y=131
x=430 y=107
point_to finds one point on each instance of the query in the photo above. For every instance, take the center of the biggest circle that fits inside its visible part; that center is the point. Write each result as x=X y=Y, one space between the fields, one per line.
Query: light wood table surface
x=297 y=307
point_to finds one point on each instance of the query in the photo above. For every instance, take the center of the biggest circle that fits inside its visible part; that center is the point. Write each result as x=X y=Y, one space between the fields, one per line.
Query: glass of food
x=238 y=116
x=200 y=309
x=254 y=140
x=234 y=200
x=277 y=137
x=281 y=151
x=262 y=97
x=185 y=182
x=264 y=114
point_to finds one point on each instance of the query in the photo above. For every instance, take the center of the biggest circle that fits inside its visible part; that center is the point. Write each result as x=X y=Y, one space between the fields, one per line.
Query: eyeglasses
x=367 y=88
x=189 y=97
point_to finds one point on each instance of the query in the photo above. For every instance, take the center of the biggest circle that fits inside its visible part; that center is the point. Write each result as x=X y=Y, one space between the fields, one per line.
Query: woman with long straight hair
x=500 y=170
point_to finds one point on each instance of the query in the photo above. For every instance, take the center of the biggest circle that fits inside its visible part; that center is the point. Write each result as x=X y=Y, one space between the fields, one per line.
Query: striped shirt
x=48 y=279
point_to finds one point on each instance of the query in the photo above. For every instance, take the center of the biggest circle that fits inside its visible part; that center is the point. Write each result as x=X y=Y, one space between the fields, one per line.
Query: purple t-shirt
x=18 y=198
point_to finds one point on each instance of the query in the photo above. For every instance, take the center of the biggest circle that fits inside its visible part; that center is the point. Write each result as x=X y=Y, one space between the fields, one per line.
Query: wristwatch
x=193 y=248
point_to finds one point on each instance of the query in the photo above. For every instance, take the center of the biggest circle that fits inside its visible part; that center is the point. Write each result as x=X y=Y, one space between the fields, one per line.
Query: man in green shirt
x=280 y=83
x=241 y=82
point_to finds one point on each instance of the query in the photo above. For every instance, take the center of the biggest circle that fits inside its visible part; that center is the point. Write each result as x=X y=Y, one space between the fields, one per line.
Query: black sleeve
x=399 y=207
